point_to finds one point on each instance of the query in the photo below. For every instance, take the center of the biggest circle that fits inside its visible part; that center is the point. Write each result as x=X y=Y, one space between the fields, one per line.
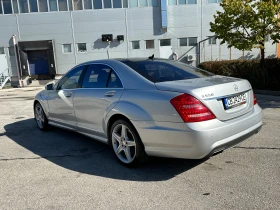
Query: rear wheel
x=40 y=117
x=126 y=143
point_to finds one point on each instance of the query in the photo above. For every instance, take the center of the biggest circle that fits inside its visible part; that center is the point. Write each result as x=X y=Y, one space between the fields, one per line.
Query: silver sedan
x=153 y=107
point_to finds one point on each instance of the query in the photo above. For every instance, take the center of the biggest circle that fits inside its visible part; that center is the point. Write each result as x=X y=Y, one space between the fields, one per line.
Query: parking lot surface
x=58 y=169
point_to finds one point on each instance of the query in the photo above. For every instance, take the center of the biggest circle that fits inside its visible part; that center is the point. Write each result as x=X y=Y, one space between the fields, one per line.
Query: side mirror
x=49 y=86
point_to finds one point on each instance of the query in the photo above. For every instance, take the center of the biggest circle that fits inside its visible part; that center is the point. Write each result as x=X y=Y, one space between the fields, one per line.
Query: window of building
x=33 y=5
x=43 y=5
x=153 y=3
x=97 y=4
x=150 y=44
x=23 y=6
x=214 y=1
x=70 y=5
x=53 y=5
x=267 y=38
x=77 y=5
x=62 y=5
x=117 y=4
x=87 y=4
x=1 y=10
x=181 y=1
x=143 y=3
x=11 y=51
x=133 y=3
x=192 y=2
x=7 y=6
x=2 y=51
x=165 y=42
x=125 y=3
x=66 y=48
x=192 y=41
x=183 y=42
x=15 y=6
x=135 y=45
x=172 y=2
x=107 y=4
x=82 y=47
x=212 y=40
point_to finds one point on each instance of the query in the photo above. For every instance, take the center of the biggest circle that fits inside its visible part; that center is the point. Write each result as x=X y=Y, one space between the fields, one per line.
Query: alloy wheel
x=39 y=115
x=124 y=143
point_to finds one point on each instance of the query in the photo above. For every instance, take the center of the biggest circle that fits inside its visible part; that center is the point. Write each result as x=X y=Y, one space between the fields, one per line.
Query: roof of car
x=139 y=59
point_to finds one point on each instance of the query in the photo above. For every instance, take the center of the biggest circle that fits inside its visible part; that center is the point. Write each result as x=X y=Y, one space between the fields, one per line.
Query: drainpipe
x=17 y=63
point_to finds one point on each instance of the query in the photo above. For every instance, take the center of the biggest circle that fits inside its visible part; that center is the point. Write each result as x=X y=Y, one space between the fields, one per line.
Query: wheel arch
x=42 y=104
x=111 y=121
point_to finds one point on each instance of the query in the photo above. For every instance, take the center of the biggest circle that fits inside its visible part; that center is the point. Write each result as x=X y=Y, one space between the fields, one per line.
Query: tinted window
x=71 y=79
x=162 y=71
x=101 y=76
x=96 y=76
x=114 y=81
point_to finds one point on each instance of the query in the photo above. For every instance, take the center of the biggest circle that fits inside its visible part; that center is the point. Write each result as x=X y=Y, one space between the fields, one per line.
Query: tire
x=127 y=144
x=40 y=117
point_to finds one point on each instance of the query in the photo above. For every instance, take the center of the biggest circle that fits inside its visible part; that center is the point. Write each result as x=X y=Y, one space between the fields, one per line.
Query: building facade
x=44 y=38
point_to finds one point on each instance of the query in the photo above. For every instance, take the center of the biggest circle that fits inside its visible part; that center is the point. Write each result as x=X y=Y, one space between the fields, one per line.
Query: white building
x=44 y=38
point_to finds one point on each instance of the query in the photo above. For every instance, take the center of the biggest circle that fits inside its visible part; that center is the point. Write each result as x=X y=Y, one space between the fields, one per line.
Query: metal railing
x=4 y=78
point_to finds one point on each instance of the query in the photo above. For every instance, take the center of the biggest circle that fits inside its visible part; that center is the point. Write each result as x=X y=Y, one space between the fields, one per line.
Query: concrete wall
x=134 y=23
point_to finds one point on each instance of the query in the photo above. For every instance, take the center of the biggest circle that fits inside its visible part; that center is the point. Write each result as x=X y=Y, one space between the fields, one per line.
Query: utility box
x=107 y=37
x=120 y=37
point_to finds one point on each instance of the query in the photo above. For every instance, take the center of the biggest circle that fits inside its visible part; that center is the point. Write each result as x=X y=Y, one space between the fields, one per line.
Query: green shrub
x=266 y=77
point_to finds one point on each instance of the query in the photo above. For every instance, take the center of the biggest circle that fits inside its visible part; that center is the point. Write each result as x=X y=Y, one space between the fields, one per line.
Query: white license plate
x=234 y=101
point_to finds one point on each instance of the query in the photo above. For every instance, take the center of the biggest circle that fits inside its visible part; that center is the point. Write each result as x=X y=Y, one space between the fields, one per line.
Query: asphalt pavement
x=58 y=169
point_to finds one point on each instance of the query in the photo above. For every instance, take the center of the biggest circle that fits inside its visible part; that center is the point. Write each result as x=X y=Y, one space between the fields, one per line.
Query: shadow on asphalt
x=266 y=101
x=82 y=154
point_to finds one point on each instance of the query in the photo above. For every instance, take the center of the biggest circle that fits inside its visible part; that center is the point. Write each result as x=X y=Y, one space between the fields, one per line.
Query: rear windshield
x=162 y=71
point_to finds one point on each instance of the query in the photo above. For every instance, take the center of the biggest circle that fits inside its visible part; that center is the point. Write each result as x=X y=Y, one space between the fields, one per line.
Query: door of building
x=38 y=62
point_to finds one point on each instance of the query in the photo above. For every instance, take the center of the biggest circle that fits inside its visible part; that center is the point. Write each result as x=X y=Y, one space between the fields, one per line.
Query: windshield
x=163 y=71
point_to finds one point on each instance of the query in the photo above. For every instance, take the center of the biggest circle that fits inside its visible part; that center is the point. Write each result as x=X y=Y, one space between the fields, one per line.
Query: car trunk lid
x=212 y=92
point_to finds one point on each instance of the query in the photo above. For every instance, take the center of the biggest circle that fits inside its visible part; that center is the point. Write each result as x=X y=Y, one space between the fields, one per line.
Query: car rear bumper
x=197 y=140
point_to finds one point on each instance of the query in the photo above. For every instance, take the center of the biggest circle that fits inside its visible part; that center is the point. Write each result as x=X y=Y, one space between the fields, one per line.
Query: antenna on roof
x=152 y=57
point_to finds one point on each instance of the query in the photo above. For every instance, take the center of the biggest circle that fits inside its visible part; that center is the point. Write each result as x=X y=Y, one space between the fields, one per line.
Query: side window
x=114 y=81
x=71 y=80
x=96 y=76
x=101 y=76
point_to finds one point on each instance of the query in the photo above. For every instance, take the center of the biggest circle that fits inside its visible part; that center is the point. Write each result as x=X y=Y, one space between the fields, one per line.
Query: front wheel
x=40 y=117
x=126 y=143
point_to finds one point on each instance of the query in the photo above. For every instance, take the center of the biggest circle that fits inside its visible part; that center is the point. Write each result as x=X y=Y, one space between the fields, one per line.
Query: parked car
x=153 y=107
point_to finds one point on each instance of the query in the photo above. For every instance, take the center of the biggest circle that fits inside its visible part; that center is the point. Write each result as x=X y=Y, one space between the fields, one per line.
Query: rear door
x=100 y=91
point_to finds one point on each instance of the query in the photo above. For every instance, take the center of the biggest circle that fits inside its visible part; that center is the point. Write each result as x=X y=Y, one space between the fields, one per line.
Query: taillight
x=191 y=109
x=255 y=99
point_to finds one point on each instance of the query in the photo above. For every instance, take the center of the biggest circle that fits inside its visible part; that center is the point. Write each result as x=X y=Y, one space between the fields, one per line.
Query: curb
x=267 y=92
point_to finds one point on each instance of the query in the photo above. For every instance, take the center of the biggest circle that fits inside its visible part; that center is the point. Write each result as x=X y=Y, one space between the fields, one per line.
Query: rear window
x=163 y=71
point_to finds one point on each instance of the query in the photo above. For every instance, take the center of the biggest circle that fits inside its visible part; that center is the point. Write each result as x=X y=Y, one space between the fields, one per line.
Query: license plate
x=234 y=101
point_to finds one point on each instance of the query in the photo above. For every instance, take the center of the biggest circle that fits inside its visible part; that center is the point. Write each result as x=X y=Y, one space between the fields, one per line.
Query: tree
x=244 y=24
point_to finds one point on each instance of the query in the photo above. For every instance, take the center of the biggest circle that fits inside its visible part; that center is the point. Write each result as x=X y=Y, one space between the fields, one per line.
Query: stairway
x=4 y=79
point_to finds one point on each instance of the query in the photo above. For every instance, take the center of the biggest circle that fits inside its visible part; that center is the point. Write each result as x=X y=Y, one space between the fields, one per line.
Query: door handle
x=68 y=94
x=110 y=93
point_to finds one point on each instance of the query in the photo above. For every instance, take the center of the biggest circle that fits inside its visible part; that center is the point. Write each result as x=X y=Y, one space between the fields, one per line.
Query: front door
x=38 y=62
x=101 y=89
x=60 y=101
